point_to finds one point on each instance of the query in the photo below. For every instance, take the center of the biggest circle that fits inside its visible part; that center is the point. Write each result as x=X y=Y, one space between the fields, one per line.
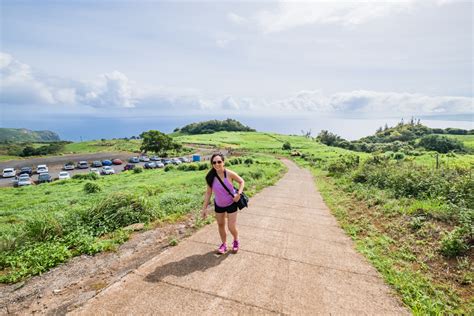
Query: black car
x=96 y=164
x=26 y=170
x=129 y=166
x=44 y=177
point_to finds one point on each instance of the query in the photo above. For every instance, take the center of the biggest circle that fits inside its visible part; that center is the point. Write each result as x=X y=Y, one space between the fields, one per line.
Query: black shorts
x=229 y=209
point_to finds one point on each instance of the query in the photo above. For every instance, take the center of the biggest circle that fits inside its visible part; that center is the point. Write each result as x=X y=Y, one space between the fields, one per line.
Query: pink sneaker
x=235 y=245
x=222 y=249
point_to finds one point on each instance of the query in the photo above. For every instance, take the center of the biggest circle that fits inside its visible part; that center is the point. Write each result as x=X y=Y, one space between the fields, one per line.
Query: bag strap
x=225 y=187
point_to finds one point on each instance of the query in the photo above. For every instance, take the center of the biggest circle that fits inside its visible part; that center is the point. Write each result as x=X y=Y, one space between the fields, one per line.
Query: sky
x=144 y=59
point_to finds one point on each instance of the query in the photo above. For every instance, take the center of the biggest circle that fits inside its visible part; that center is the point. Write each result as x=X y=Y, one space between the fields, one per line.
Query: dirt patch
x=70 y=285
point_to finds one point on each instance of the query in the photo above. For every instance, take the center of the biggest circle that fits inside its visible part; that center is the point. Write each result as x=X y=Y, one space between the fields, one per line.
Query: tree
x=440 y=144
x=286 y=146
x=157 y=142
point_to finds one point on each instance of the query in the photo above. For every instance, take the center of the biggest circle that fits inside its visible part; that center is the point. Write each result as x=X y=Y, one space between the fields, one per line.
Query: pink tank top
x=221 y=197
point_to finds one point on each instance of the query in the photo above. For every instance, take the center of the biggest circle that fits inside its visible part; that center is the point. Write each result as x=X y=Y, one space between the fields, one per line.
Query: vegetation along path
x=294 y=259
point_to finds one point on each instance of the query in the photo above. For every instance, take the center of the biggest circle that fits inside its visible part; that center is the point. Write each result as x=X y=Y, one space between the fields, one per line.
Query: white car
x=95 y=170
x=64 y=175
x=108 y=170
x=159 y=164
x=176 y=161
x=41 y=169
x=22 y=180
x=9 y=172
x=144 y=158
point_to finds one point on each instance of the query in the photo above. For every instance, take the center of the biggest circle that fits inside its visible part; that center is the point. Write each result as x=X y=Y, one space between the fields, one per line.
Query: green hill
x=19 y=135
x=209 y=127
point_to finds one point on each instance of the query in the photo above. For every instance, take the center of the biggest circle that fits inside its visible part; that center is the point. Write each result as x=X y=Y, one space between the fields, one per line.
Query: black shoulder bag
x=244 y=199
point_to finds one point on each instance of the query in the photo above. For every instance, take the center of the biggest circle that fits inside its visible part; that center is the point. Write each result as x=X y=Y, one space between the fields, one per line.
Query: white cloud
x=371 y=103
x=290 y=14
x=235 y=18
x=21 y=85
x=18 y=85
x=111 y=90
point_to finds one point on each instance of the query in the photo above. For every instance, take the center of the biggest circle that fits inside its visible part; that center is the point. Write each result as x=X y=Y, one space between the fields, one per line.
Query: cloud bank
x=290 y=14
x=21 y=86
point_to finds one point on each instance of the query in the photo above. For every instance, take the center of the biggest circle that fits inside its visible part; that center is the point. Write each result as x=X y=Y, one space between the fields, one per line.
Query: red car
x=117 y=162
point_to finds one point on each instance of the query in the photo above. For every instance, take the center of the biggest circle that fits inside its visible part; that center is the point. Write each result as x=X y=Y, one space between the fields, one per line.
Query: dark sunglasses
x=217 y=162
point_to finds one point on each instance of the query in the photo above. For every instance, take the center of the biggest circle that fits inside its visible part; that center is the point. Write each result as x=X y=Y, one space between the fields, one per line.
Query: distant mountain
x=209 y=127
x=19 y=135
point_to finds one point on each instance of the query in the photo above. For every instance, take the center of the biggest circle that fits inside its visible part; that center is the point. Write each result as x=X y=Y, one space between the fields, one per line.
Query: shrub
x=248 y=161
x=192 y=167
x=43 y=227
x=91 y=187
x=169 y=168
x=86 y=176
x=399 y=156
x=286 y=146
x=453 y=243
x=118 y=210
x=202 y=166
x=137 y=169
x=440 y=144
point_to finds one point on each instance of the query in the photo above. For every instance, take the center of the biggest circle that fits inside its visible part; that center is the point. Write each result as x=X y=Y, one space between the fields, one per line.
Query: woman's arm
x=207 y=198
x=234 y=176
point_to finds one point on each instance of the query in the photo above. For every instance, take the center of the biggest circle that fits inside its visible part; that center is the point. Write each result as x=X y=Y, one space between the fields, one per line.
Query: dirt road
x=294 y=259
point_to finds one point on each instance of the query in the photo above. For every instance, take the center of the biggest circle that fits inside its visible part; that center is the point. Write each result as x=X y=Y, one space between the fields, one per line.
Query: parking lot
x=55 y=164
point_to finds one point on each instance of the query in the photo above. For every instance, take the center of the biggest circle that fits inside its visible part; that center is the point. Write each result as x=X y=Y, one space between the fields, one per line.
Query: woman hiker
x=224 y=202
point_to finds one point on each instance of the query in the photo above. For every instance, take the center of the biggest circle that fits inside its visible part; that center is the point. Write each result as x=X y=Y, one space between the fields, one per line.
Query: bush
x=91 y=187
x=286 y=146
x=137 y=169
x=202 y=166
x=86 y=176
x=399 y=156
x=169 y=168
x=248 y=161
x=440 y=144
x=342 y=164
x=118 y=210
x=453 y=243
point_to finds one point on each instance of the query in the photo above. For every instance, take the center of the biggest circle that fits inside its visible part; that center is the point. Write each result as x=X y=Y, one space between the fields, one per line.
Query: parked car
x=134 y=160
x=9 y=172
x=41 y=169
x=26 y=170
x=44 y=177
x=149 y=165
x=95 y=170
x=154 y=158
x=144 y=158
x=184 y=159
x=117 y=161
x=159 y=164
x=82 y=165
x=176 y=161
x=96 y=164
x=64 y=175
x=128 y=166
x=108 y=170
x=69 y=166
x=22 y=180
x=166 y=161
x=107 y=162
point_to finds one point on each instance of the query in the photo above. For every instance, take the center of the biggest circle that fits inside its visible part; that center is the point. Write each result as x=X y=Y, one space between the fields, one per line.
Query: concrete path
x=294 y=259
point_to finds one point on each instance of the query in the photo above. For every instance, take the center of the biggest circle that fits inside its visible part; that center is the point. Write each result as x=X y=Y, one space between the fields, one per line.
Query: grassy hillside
x=413 y=222
x=42 y=226
x=17 y=135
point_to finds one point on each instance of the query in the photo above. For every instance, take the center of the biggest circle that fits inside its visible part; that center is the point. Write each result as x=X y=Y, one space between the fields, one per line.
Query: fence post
x=437 y=161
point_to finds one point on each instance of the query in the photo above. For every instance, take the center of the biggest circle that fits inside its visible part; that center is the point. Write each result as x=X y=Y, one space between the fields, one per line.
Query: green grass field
x=44 y=225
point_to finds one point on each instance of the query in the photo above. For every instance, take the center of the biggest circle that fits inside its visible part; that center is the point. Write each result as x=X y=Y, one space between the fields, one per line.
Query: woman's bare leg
x=221 y=225
x=232 y=224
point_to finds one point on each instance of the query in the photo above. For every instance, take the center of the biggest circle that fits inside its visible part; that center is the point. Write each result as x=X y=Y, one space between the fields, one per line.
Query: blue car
x=106 y=162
